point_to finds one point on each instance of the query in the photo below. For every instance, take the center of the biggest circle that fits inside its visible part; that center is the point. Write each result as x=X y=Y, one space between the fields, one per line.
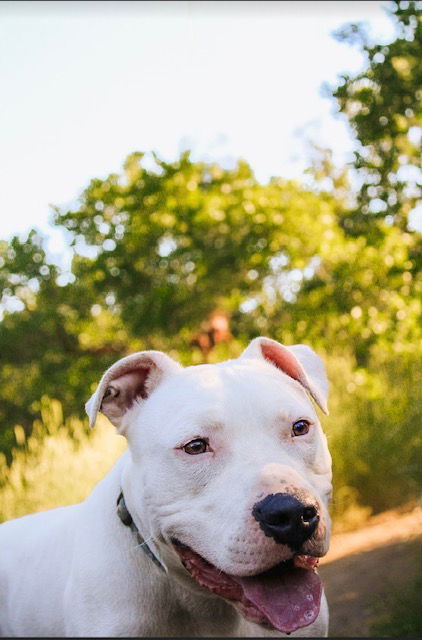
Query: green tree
x=168 y=246
x=366 y=288
x=51 y=341
x=175 y=242
x=383 y=105
x=23 y=269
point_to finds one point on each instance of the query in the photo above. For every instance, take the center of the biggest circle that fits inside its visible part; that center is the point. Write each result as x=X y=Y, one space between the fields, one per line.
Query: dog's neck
x=182 y=609
x=125 y=516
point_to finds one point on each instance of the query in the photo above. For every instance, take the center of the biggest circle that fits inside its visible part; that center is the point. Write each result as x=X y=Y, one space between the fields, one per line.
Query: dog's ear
x=298 y=361
x=127 y=381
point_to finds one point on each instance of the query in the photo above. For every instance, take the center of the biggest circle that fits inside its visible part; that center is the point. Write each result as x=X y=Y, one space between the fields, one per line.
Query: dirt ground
x=363 y=566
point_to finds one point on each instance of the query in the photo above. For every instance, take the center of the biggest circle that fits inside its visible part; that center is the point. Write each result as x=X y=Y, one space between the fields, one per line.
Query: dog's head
x=229 y=473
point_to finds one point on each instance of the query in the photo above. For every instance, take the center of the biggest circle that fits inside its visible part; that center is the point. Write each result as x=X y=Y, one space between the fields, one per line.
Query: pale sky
x=83 y=84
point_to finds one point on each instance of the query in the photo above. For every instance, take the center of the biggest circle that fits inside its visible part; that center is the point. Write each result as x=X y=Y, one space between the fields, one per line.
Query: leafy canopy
x=383 y=105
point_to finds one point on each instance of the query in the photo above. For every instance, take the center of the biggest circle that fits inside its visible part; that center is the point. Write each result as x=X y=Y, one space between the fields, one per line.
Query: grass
x=58 y=464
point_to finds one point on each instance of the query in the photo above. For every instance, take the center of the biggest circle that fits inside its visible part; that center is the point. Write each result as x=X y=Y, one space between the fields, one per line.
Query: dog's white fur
x=78 y=571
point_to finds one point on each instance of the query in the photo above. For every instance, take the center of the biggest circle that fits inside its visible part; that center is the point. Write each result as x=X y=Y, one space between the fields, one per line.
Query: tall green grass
x=374 y=434
x=58 y=464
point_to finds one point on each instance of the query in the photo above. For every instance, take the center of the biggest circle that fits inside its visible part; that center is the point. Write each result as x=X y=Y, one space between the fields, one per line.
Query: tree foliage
x=383 y=105
x=174 y=242
x=168 y=245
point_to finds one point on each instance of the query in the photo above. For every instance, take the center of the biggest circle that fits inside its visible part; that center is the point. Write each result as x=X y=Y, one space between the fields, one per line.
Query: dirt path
x=363 y=565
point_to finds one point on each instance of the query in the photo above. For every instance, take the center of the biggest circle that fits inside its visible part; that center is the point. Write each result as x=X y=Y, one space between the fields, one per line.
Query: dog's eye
x=300 y=428
x=199 y=445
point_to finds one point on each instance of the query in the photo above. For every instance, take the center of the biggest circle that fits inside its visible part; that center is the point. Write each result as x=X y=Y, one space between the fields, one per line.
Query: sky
x=83 y=84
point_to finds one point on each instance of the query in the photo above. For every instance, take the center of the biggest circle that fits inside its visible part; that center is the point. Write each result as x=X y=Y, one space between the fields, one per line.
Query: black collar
x=126 y=518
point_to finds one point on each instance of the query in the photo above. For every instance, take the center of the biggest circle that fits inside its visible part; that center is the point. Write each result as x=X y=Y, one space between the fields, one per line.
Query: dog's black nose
x=286 y=519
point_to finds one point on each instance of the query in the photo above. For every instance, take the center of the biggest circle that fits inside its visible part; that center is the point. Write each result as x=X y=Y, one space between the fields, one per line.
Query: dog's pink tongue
x=289 y=599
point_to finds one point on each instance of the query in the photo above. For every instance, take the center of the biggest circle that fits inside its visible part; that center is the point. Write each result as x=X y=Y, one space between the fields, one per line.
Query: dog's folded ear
x=127 y=381
x=299 y=362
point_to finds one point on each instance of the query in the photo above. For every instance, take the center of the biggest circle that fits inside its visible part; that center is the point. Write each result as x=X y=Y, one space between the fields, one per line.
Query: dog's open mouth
x=286 y=597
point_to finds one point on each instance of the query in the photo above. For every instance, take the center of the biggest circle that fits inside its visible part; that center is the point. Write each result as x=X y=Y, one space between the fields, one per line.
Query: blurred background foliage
x=197 y=259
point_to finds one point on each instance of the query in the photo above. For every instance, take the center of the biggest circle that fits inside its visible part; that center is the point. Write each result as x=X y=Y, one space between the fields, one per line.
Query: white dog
x=222 y=508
